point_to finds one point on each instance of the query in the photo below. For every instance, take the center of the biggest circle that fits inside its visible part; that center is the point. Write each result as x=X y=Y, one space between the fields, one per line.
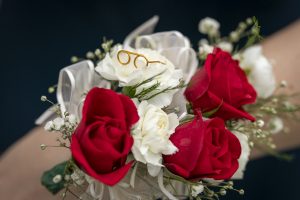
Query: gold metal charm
x=137 y=55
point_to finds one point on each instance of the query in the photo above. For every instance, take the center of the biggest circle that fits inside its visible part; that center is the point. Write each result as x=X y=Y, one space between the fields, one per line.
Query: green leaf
x=210 y=113
x=129 y=91
x=47 y=178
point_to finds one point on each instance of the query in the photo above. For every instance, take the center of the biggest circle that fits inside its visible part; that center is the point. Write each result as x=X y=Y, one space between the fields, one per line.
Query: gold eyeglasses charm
x=137 y=55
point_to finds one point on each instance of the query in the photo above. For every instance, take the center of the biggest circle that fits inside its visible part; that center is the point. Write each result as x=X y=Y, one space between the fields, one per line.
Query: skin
x=23 y=163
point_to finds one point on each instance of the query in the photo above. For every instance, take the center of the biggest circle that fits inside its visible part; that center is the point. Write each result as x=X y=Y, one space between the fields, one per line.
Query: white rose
x=133 y=73
x=209 y=26
x=244 y=158
x=260 y=70
x=151 y=136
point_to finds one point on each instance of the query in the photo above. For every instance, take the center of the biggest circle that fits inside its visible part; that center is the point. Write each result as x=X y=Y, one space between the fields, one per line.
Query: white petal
x=244 y=158
x=137 y=154
x=153 y=169
x=154 y=159
x=170 y=149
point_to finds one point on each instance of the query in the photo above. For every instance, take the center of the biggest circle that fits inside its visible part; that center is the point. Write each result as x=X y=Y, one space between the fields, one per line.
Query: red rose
x=102 y=140
x=221 y=83
x=206 y=150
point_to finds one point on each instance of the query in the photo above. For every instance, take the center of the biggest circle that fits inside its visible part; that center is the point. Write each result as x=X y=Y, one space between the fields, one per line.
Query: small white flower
x=244 y=158
x=225 y=46
x=130 y=74
x=260 y=123
x=197 y=189
x=57 y=178
x=283 y=83
x=78 y=177
x=72 y=119
x=260 y=70
x=151 y=136
x=203 y=41
x=209 y=26
x=49 y=126
x=205 y=49
x=44 y=98
x=234 y=36
x=276 y=125
x=58 y=123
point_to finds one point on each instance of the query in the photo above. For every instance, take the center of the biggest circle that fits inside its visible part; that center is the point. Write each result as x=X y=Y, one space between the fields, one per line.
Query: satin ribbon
x=73 y=84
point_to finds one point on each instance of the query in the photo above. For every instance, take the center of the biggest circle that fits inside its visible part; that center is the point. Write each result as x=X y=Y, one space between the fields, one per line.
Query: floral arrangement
x=154 y=119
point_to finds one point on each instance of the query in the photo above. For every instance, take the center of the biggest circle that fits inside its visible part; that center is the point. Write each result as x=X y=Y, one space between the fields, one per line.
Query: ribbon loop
x=74 y=82
x=144 y=29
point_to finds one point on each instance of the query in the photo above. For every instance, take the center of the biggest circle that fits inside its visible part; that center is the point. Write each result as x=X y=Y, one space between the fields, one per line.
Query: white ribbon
x=73 y=83
x=160 y=179
x=96 y=190
x=144 y=29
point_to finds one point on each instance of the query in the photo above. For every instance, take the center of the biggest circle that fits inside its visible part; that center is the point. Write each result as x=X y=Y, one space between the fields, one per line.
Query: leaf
x=210 y=113
x=47 y=178
x=129 y=91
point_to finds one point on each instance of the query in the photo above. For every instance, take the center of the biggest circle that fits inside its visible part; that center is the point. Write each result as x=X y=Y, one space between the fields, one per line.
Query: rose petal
x=108 y=178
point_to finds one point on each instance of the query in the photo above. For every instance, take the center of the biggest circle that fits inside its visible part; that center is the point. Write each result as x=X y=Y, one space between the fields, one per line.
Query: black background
x=37 y=39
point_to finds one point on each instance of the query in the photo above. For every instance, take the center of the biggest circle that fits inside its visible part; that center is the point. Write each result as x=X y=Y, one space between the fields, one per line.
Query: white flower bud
x=57 y=178
x=49 y=126
x=260 y=123
x=197 y=189
x=223 y=192
x=58 y=123
x=234 y=36
x=209 y=26
x=74 y=59
x=43 y=98
x=241 y=192
x=51 y=90
x=72 y=119
x=225 y=46
x=43 y=146
x=249 y=21
x=242 y=25
x=97 y=52
x=205 y=49
x=283 y=83
x=78 y=177
x=90 y=55
x=276 y=125
x=203 y=41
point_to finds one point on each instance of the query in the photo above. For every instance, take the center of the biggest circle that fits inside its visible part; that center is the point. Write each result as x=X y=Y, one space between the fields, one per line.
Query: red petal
x=107 y=178
x=130 y=110
x=102 y=102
